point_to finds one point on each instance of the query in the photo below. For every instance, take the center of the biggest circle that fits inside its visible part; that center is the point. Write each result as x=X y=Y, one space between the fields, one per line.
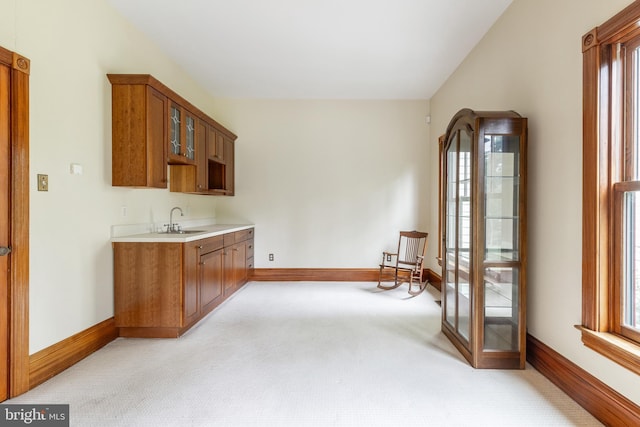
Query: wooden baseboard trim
x=329 y=275
x=434 y=279
x=52 y=360
x=316 y=274
x=603 y=402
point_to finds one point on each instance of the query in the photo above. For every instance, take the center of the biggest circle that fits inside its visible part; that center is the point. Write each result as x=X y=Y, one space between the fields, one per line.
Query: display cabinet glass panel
x=451 y=215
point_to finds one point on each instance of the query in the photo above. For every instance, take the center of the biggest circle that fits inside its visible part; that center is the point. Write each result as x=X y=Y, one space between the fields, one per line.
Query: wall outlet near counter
x=271 y=257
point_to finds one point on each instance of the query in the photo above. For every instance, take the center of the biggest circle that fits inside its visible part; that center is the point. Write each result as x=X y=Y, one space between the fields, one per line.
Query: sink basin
x=184 y=232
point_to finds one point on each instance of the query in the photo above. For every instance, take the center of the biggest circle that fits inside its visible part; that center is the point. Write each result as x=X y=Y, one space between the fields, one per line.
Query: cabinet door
x=240 y=264
x=201 y=156
x=229 y=273
x=211 y=280
x=182 y=135
x=156 y=137
x=229 y=160
x=190 y=136
x=176 y=144
x=501 y=315
x=139 y=133
x=215 y=143
x=458 y=290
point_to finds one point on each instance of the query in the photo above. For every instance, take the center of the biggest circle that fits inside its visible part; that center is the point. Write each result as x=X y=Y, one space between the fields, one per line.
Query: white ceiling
x=328 y=49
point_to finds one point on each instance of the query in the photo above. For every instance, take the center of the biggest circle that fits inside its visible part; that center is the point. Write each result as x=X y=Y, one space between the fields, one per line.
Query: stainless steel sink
x=184 y=232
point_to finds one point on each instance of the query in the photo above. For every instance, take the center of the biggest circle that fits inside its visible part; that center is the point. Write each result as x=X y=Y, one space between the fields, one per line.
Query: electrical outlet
x=43 y=182
x=271 y=257
x=388 y=258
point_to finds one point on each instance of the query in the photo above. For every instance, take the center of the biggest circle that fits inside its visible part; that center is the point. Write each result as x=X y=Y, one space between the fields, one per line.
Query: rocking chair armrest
x=386 y=254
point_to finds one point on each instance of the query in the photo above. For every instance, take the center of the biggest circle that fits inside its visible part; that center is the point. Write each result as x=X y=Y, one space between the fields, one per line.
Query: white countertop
x=204 y=232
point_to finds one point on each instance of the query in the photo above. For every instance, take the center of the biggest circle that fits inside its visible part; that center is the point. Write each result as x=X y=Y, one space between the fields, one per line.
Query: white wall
x=531 y=62
x=328 y=183
x=72 y=45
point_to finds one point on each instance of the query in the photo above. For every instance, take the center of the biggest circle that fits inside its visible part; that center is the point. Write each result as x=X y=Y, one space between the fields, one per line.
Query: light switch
x=43 y=182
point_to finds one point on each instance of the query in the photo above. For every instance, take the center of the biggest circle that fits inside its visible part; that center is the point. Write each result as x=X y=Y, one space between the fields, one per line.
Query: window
x=611 y=188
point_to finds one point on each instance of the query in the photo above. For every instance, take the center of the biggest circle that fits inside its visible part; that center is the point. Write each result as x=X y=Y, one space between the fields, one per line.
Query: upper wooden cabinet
x=139 y=132
x=153 y=127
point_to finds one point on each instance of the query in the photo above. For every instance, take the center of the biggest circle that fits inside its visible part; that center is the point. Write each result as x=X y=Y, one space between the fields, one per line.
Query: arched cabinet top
x=467 y=118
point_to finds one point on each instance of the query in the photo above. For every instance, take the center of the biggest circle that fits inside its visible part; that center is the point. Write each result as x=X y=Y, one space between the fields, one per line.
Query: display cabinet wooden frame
x=484 y=237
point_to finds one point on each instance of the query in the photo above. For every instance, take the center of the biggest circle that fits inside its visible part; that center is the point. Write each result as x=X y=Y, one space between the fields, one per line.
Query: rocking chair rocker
x=405 y=265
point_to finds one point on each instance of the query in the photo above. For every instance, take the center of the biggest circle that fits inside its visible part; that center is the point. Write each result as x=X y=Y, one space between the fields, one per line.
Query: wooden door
x=5 y=167
x=14 y=223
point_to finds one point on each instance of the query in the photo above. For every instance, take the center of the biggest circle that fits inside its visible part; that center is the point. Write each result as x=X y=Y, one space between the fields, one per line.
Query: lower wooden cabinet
x=163 y=289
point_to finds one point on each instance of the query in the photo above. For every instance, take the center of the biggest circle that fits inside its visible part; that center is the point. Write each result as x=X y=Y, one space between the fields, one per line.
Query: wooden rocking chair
x=405 y=265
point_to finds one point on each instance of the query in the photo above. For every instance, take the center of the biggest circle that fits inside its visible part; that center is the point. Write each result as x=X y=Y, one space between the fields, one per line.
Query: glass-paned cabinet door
x=451 y=237
x=465 y=291
x=182 y=135
x=190 y=136
x=502 y=187
x=501 y=241
x=458 y=232
x=175 y=125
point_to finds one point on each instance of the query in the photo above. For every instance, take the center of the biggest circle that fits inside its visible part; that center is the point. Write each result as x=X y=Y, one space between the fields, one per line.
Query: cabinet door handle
x=202 y=263
x=199 y=246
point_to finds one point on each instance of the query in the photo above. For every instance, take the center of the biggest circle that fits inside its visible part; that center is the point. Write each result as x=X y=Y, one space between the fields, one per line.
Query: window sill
x=619 y=349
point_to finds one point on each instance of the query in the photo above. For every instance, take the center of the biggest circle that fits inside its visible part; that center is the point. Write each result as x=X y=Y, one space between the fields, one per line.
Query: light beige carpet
x=305 y=354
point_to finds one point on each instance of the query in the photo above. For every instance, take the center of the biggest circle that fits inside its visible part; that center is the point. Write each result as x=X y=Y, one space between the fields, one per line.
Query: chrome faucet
x=173 y=227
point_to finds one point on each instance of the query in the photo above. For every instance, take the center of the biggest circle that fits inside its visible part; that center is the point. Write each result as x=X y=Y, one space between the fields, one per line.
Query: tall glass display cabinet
x=484 y=237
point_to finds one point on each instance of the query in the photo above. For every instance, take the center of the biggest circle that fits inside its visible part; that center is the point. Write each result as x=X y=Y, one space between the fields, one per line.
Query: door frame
x=18 y=281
